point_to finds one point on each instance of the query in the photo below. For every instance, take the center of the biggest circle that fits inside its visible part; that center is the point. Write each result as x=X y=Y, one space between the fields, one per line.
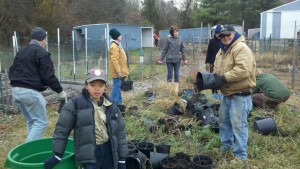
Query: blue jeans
x=104 y=158
x=116 y=91
x=233 y=124
x=171 y=67
x=33 y=106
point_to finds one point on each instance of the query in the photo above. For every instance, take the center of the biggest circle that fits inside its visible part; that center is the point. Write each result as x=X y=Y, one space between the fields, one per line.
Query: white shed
x=280 y=22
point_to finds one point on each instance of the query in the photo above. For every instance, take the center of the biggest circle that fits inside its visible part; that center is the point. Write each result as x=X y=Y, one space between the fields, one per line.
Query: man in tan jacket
x=234 y=70
x=117 y=65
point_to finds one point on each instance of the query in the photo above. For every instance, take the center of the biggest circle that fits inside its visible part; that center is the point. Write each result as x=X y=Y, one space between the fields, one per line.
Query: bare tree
x=187 y=8
x=169 y=14
x=97 y=11
x=16 y=15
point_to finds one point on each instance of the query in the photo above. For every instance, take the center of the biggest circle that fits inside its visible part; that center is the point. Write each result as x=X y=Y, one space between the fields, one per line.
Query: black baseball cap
x=226 y=30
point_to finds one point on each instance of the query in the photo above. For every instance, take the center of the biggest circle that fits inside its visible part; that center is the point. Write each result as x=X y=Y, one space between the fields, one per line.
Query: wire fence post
x=2 y=98
x=74 y=64
x=86 y=51
x=194 y=59
x=7 y=96
x=142 y=62
x=294 y=58
x=58 y=56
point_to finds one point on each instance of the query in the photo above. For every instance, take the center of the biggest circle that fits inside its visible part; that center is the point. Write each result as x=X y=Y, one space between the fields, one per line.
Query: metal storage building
x=204 y=33
x=96 y=36
x=279 y=22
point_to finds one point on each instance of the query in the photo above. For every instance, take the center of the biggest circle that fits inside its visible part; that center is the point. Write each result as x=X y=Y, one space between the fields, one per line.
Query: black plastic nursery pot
x=202 y=162
x=146 y=148
x=208 y=118
x=265 y=126
x=163 y=148
x=127 y=85
x=134 y=142
x=207 y=79
x=169 y=163
x=156 y=158
x=149 y=95
x=133 y=111
x=137 y=161
x=188 y=92
x=175 y=110
x=131 y=148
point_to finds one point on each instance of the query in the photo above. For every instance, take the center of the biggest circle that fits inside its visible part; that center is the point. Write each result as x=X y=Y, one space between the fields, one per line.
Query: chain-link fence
x=73 y=58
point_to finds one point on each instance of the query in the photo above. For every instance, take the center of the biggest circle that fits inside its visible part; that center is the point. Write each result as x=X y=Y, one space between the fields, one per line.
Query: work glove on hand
x=62 y=96
x=121 y=165
x=160 y=62
x=51 y=162
x=207 y=66
x=198 y=84
x=218 y=82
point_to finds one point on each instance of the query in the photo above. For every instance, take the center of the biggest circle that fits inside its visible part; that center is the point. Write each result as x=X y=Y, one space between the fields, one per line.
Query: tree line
x=22 y=15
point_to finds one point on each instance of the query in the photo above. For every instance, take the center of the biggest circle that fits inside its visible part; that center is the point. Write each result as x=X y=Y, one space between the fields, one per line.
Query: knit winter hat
x=114 y=33
x=218 y=28
x=95 y=74
x=38 y=33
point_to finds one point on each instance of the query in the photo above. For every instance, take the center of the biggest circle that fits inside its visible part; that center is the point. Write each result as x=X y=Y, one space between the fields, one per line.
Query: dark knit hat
x=218 y=28
x=38 y=33
x=114 y=33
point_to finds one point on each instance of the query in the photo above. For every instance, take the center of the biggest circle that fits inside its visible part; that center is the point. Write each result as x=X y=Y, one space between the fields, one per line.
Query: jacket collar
x=86 y=95
x=235 y=38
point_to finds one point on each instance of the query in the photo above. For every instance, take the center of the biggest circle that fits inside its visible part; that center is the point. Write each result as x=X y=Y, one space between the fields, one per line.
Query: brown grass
x=279 y=151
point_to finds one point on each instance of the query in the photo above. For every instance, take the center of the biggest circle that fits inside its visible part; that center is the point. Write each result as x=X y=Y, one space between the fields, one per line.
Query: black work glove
x=198 y=85
x=51 y=162
x=121 y=165
x=218 y=82
x=199 y=82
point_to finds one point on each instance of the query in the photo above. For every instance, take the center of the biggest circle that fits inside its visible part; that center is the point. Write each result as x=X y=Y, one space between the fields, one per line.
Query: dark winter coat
x=212 y=50
x=33 y=69
x=78 y=114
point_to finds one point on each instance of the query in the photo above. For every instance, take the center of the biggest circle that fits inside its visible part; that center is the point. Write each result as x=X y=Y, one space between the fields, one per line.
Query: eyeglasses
x=224 y=35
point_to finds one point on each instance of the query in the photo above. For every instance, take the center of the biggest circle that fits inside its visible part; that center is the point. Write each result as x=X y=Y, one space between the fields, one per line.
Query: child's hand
x=51 y=162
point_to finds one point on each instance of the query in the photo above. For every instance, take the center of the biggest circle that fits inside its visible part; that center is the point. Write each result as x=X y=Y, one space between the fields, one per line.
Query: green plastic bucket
x=31 y=155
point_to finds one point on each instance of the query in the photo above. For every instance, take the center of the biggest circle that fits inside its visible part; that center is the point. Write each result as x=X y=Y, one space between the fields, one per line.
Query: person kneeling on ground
x=98 y=143
x=269 y=91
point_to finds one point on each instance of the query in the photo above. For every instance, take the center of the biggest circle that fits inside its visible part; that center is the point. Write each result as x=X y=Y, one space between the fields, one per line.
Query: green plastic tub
x=31 y=155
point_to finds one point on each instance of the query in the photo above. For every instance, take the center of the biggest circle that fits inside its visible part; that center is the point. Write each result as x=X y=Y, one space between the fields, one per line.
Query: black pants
x=104 y=158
